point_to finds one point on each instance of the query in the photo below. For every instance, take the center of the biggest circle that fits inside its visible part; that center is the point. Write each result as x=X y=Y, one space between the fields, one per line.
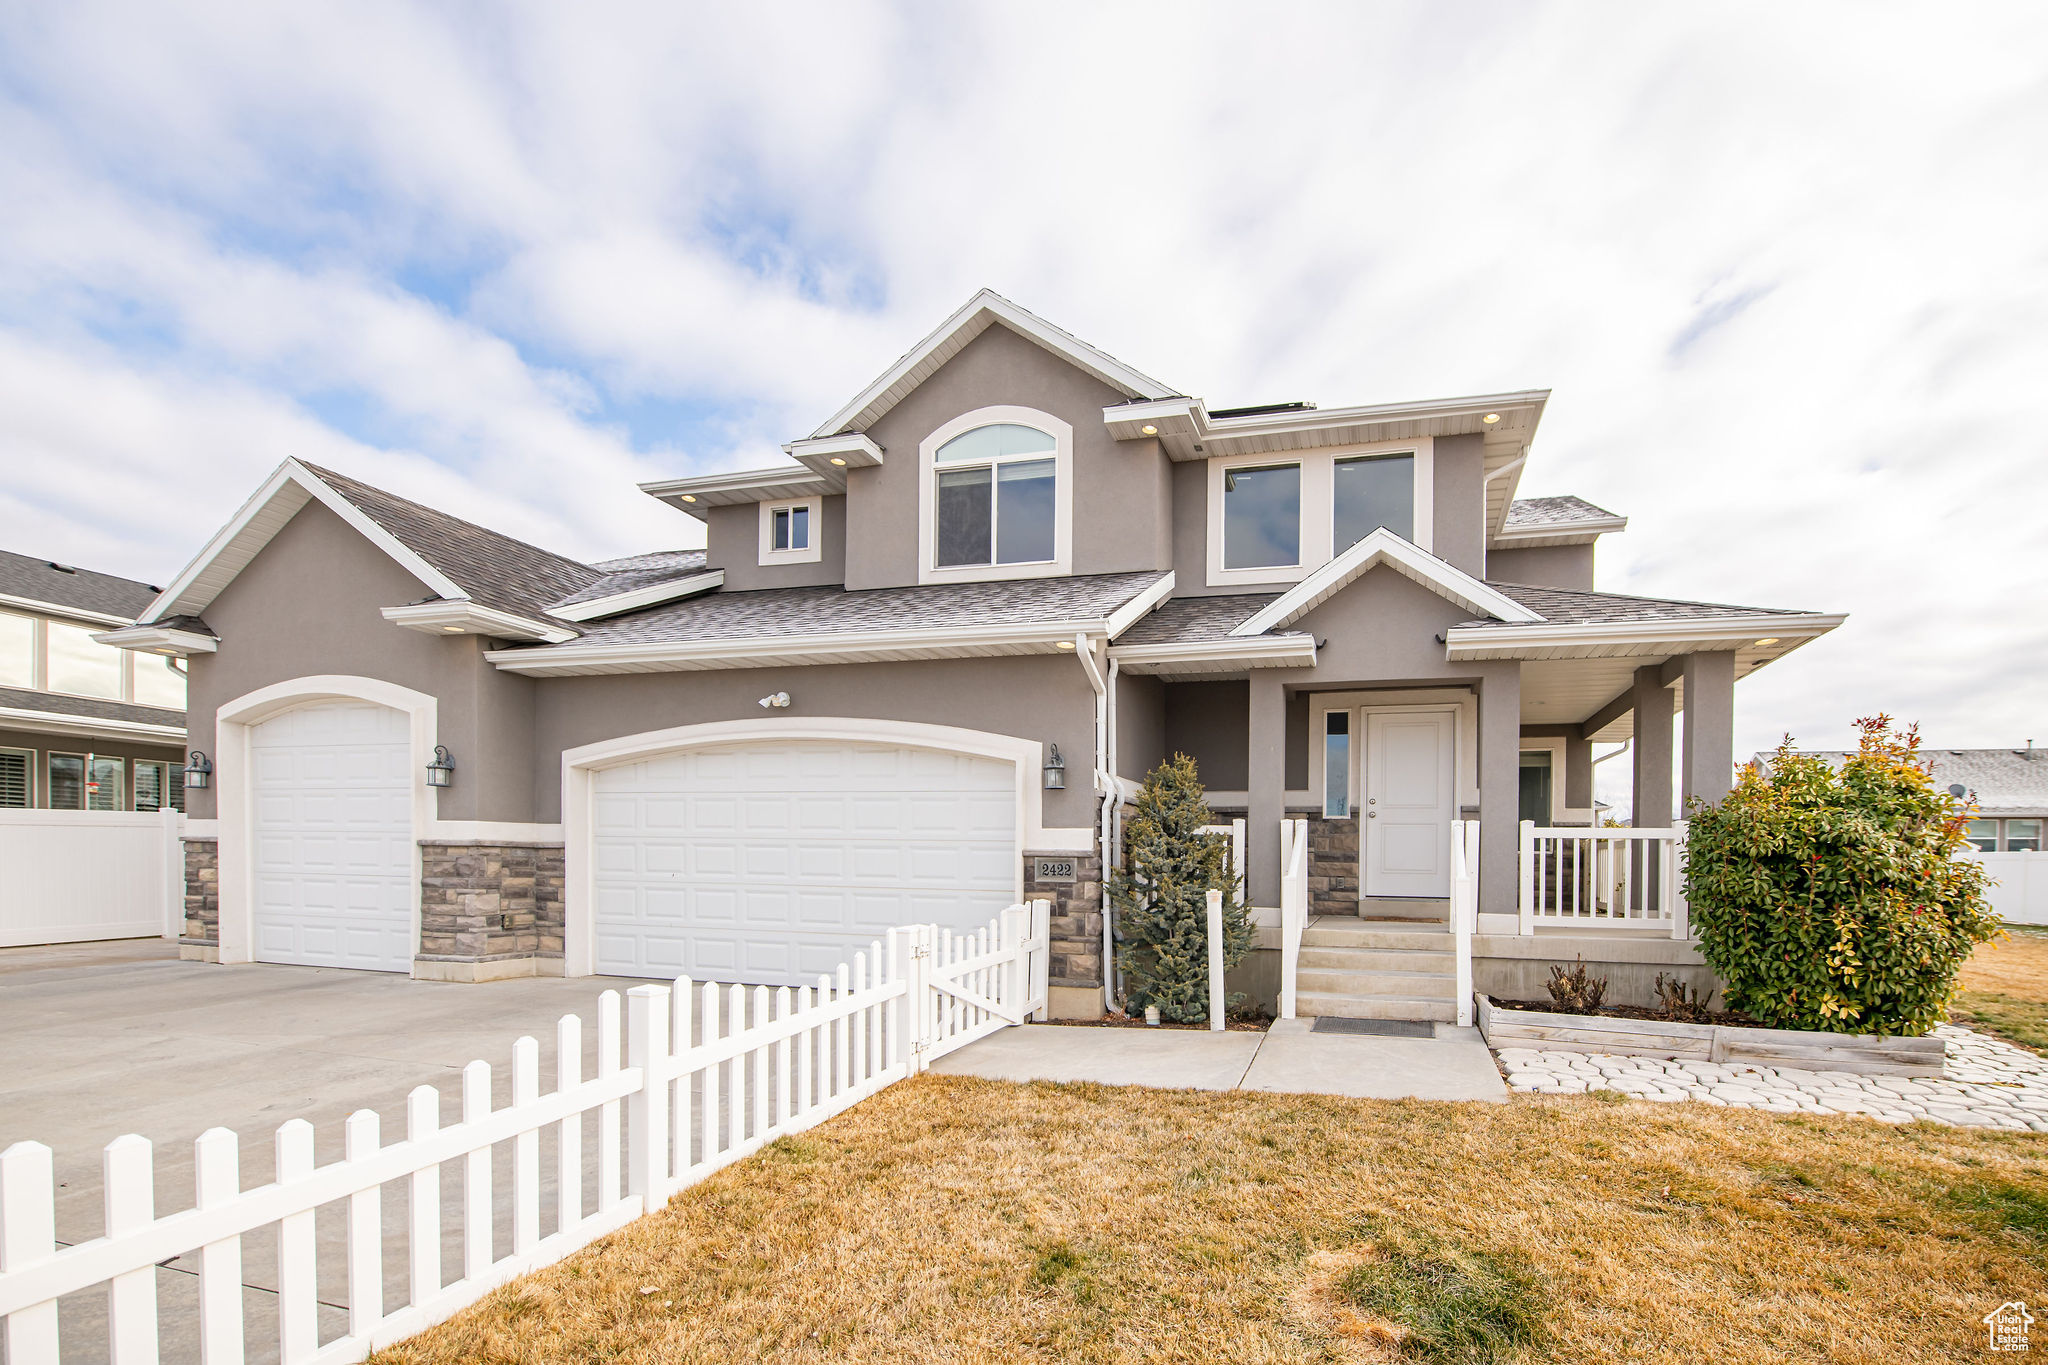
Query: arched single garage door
x=332 y=839
x=772 y=861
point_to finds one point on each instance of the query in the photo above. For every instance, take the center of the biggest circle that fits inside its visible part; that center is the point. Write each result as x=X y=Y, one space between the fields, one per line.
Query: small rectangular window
x=67 y=782
x=14 y=780
x=1337 y=765
x=149 y=786
x=1983 y=835
x=2023 y=836
x=1376 y=491
x=1262 y=517
x=792 y=528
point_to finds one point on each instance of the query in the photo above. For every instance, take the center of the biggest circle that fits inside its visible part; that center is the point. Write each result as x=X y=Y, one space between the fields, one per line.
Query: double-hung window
x=1983 y=835
x=997 y=497
x=792 y=530
x=2023 y=836
x=790 y=533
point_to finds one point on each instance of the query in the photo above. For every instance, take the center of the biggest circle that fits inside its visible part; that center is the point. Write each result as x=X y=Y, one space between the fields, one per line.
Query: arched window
x=997 y=500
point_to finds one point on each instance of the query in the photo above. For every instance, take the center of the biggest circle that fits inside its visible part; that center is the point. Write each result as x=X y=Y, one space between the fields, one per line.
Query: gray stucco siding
x=1550 y=566
x=1044 y=699
x=1122 y=521
x=1458 y=502
x=732 y=537
x=309 y=604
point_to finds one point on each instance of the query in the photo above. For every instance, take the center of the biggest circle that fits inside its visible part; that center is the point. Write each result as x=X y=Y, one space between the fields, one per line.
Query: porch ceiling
x=1573 y=691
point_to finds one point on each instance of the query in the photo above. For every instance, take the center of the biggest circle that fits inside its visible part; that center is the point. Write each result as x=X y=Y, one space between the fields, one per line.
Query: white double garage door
x=767 y=861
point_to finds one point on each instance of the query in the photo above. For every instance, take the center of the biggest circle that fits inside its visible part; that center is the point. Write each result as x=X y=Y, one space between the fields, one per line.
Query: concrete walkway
x=1287 y=1058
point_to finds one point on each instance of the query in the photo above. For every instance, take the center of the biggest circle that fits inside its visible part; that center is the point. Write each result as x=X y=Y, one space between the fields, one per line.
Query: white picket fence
x=74 y=876
x=686 y=1097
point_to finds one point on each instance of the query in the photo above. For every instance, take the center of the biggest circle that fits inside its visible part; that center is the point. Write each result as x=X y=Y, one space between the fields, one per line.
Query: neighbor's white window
x=2023 y=836
x=157 y=683
x=152 y=785
x=1262 y=516
x=106 y=786
x=15 y=779
x=82 y=665
x=17 y=650
x=66 y=784
x=998 y=497
x=1370 y=492
x=1983 y=834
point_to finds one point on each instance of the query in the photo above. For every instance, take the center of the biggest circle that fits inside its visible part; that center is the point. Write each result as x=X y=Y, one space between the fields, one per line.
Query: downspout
x=1112 y=821
x=1105 y=784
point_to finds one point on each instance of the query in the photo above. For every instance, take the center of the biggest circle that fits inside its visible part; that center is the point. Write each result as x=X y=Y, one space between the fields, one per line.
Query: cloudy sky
x=1785 y=267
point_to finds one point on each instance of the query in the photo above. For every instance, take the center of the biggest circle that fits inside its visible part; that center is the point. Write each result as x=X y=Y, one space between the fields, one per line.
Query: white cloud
x=1781 y=265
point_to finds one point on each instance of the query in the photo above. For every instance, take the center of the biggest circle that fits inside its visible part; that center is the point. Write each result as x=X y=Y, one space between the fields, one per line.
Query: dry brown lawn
x=2005 y=989
x=952 y=1219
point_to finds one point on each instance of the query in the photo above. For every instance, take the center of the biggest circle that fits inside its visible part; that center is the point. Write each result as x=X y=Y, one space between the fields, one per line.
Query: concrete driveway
x=112 y=1038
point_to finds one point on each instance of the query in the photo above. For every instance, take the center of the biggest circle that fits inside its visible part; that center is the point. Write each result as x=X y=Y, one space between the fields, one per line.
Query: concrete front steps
x=1361 y=969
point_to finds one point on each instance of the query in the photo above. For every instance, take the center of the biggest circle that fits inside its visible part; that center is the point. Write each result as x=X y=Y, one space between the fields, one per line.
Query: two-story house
x=83 y=725
x=917 y=672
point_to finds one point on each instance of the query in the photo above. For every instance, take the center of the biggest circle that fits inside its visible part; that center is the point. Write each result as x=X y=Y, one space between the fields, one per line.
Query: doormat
x=1376 y=1028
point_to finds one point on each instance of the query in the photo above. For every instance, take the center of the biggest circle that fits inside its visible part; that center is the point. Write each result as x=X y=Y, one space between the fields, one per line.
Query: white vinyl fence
x=690 y=1092
x=2020 y=892
x=72 y=876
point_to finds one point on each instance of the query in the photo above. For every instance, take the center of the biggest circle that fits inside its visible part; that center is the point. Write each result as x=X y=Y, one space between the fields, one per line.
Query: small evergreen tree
x=1160 y=896
x=1832 y=898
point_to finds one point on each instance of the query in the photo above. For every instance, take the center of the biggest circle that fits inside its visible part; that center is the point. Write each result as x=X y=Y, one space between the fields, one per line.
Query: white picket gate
x=707 y=1076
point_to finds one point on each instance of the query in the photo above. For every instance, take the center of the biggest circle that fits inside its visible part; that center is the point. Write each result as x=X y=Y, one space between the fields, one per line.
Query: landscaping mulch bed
x=1725 y=1018
x=957 y=1219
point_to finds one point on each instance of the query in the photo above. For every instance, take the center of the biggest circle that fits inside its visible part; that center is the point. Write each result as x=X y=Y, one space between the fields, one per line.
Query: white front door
x=773 y=861
x=332 y=842
x=1410 y=797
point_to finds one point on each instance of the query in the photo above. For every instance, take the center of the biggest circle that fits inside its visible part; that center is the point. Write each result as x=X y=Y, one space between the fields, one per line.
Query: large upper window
x=997 y=497
x=1262 y=517
x=17 y=650
x=1371 y=492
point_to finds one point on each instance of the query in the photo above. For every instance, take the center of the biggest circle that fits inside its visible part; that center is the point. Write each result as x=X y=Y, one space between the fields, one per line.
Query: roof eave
x=460 y=616
x=835 y=647
x=1607 y=638
x=159 y=640
x=653 y=595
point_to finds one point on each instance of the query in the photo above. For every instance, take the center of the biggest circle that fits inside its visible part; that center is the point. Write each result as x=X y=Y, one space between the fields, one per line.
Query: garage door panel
x=332 y=838
x=792 y=855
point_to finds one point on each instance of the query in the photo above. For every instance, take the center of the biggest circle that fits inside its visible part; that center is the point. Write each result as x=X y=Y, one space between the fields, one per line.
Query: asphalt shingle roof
x=93 y=708
x=786 y=612
x=39 y=580
x=2006 y=781
x=1574 y=606
x=495 y=570
x=1191 y=620
x=637 y=571
x=1561 y=510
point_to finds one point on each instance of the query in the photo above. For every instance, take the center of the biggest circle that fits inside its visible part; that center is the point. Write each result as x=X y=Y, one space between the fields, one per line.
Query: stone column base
x=483 y=969
x=1074 y=1002
x=198 y=952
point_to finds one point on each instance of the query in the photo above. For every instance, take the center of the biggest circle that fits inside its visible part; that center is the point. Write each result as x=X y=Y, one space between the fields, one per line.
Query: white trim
x=464 y=617
x=1062 y=561
x=581 y=763
x=1384 y=547
x=1537 y=535
x=812 y=550
x=828 y=455
x=249 y=530
x=77 y=616
x=91 y=727
x=697 y=495
x=1317 y=531
x=852 y=646
x=235 y=810
x=985 y=307
x=1460 y=640
x=160 y=640
x=199 y=829
x=670 y=590
x=1135 y=610
x=1264 y=651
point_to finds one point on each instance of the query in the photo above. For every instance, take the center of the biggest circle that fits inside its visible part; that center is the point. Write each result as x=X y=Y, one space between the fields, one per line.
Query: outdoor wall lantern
x=441 y=772
x=1055 y=771
x=198 y=769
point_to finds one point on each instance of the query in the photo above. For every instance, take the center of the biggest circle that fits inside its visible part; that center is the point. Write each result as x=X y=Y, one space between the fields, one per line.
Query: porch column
x=1578 y=772
x=1265 y=787
x=1650 y=803
x=1708 y=757
x=1500 y=787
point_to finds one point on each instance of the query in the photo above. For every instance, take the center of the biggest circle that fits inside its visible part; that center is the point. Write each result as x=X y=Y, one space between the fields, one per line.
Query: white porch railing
x=1618 y=878
x=677 y=1104
x=1293 y=907
x=1234 y=832
x=1464 y=908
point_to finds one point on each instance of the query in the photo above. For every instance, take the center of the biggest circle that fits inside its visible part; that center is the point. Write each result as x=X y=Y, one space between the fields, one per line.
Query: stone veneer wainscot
x=489 y=910
x=201 y=939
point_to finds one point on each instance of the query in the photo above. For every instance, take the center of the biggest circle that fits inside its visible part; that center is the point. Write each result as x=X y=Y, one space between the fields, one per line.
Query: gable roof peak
x=987 y=308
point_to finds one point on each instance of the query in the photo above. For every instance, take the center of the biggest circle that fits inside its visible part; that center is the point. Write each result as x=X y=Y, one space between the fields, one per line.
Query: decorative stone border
x=1539 y=1030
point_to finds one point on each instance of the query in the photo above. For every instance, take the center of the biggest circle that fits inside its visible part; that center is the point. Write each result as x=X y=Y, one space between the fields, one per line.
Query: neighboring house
x=83 y=725
x=942 y=643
